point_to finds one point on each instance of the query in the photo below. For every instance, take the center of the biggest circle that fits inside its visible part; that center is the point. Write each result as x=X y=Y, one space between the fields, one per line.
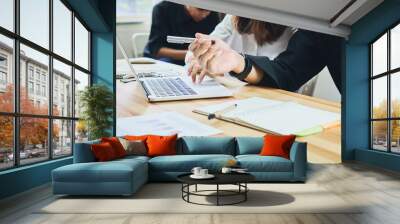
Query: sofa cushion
x=116 y=145
x=206 y=145
x=158 y=145
x=129 y=159
x=277 y=145
x=249 y=145
x=103 y=152
x=134 y=147
x=112 y=171
x=185 y=163
x=257 y=163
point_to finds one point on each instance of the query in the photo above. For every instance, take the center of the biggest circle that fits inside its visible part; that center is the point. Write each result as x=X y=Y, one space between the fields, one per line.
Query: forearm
x=172 y=53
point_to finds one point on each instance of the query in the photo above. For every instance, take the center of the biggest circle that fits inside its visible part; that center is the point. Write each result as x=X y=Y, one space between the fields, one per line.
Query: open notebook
x=273 y=116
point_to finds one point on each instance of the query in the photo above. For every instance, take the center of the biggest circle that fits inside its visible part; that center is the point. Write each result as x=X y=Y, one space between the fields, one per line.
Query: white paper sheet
x=275 y=116
x=166 y=123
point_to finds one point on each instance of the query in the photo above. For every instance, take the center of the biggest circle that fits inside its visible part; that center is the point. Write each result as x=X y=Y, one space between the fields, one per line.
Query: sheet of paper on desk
x=243 y=106
x=290 y=118
x=279 y=117
x=166 y=123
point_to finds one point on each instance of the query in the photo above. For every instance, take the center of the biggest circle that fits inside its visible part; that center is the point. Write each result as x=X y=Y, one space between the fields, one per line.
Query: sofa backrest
x=83 y=152
x=192 y=145
x=249 y=145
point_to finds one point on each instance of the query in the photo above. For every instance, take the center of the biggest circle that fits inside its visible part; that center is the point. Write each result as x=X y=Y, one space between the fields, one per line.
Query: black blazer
x=306 y=55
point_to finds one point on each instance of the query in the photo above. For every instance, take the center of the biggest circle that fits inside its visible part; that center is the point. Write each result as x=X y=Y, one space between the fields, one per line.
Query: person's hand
x=194 y=68
x=213 y=57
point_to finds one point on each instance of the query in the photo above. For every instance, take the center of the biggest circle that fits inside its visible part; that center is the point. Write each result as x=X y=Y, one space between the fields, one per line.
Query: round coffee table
x=238 y=179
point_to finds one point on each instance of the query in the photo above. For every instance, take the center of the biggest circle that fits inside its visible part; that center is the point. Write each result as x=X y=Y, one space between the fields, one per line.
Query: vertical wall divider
x=16 y=83
x=73 y=82
x=50 y=77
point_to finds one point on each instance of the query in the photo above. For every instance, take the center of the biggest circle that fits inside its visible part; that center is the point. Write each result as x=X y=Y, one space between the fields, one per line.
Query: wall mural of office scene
x=203 y=72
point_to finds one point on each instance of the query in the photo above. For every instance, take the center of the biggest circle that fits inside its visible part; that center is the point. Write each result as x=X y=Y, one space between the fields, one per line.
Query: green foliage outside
x=380 y=128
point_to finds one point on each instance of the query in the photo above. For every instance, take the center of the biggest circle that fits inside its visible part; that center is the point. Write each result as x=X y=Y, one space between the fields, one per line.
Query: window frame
x=16 y=115
x=388 y=74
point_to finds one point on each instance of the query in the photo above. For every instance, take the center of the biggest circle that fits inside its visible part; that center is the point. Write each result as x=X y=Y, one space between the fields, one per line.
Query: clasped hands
x=213 y=57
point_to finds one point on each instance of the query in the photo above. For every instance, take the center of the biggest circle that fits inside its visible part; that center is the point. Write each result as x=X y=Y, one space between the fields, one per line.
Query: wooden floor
x=379 y=190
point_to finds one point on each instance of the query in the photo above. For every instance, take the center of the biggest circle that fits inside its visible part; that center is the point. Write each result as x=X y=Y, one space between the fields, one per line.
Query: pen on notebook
x=218 y=112
x=182 y=40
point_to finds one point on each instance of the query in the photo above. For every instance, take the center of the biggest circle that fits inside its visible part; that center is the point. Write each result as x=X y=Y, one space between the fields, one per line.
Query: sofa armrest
x=83 y=152
x=298 y=155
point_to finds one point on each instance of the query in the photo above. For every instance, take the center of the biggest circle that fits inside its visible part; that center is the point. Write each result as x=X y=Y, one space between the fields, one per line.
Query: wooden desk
x=324 y=147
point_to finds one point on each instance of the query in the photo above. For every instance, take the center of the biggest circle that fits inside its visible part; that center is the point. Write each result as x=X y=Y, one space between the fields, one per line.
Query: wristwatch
x=248 y=65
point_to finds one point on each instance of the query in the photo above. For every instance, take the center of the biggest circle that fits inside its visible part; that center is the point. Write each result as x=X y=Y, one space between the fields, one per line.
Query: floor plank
x=377 y=190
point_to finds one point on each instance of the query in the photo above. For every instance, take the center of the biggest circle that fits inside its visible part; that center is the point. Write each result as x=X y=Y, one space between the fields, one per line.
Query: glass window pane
x=62 y=89
x=35 y=21
x=81 y=81
x=395 y=94
x=379 y=56
x=379 y=97
x=6 y=74
x=379 y=135
x=62 y=29
x=33 y=140
x=81 y=131
x=6 y=142
x=62 y=138
x=81 y=45
x=395 y=47
x=7 y=14
x=395 y=136
x=34 y=97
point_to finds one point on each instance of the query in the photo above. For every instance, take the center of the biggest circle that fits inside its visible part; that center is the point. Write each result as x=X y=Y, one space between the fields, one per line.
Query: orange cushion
x=277 y=145
x=136 y=137
x=161 y=145
x=103 y=152
x=116 y=145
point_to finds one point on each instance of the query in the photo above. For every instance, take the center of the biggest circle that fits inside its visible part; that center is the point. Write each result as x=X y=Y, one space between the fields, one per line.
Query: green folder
x=309 y=131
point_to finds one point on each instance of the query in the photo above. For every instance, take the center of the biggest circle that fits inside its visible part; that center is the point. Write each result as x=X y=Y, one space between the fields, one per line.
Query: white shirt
x=246 y=43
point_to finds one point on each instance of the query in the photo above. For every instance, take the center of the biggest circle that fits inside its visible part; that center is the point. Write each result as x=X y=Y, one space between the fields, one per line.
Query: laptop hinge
x=147 y=91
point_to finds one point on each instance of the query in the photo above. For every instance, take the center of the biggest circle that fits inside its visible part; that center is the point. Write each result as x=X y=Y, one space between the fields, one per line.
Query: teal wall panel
x=24 y=178
x=356 y=99
x=379 y=159
x=103 y=64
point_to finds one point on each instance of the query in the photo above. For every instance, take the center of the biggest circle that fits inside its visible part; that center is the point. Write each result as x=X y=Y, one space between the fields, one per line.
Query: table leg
x=188 y=190
x=195 y=188
x=245 y=193
x=217 y=194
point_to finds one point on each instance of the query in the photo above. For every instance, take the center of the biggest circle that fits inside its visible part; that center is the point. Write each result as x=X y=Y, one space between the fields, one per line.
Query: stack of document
x=273 y=116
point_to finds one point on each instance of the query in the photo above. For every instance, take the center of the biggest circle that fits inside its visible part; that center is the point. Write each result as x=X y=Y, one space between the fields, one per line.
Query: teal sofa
x=125 y=176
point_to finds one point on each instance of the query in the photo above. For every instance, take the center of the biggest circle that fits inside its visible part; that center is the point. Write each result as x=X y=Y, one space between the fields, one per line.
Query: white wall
x=125 y=32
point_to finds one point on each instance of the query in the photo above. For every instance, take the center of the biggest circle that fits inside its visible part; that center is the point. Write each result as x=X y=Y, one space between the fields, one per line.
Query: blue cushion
x=185 y=163
x=249 y=145
x=257 y=163
x=133 y=158
x=111 y=171
x=206 y=145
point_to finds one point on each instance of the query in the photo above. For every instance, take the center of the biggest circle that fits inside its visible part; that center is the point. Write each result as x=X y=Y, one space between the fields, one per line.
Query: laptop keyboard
x=169 y=87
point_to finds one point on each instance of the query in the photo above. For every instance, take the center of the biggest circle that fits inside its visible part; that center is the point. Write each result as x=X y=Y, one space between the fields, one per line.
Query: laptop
x=167 y=87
